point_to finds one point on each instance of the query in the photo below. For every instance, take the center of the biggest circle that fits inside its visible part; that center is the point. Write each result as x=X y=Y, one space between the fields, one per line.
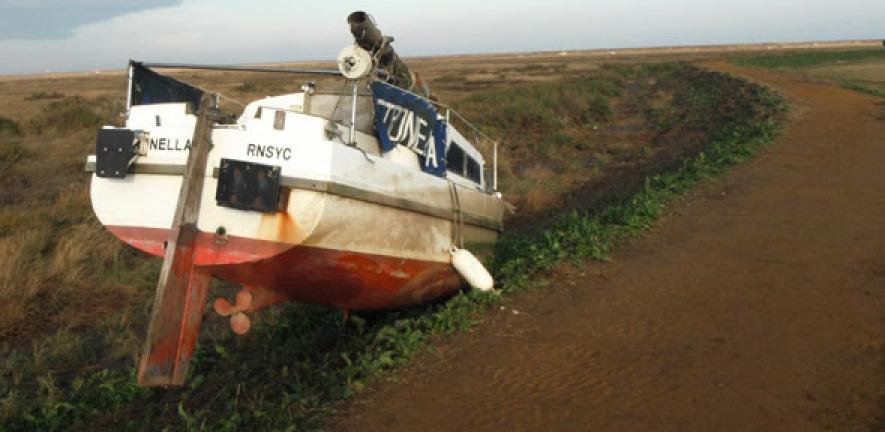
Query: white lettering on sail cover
x=410 y=130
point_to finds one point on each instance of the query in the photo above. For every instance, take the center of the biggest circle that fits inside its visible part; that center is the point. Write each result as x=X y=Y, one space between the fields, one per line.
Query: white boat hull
x=357 y=230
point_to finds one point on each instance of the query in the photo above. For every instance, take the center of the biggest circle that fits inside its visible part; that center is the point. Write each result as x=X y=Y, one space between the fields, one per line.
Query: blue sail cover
x=149 y=87
x=404 y=118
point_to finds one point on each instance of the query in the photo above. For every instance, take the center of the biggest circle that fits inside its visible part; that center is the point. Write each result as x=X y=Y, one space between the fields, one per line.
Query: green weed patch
x=805 y=61
x=537 y=111
x=812 y=58
x=41 y=95
x=67 y=114
x=9 y=127
x=862 y=88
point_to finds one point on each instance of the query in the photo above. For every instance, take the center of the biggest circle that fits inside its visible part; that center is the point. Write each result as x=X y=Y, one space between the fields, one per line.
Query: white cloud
x=276 y=30
x=48 y=19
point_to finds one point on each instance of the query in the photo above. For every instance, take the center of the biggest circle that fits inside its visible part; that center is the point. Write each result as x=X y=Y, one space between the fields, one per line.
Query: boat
x=354 y=199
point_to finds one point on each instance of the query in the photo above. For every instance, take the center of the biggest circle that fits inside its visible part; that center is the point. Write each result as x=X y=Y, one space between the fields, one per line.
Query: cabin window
x=455 y=159
x=473 y=171
x=258 y=113
x=279 y=120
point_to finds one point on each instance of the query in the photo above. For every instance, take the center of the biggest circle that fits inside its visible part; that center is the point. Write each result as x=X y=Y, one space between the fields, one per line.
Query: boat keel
x=174 y=329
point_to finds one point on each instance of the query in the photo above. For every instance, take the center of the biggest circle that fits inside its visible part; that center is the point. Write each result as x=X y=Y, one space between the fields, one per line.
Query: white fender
x=469 y=267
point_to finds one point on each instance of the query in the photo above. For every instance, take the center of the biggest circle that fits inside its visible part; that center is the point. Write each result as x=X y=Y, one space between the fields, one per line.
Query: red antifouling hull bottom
x=336 y=278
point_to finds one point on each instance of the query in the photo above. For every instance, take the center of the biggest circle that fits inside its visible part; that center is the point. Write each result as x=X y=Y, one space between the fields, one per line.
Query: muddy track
x=758 y=303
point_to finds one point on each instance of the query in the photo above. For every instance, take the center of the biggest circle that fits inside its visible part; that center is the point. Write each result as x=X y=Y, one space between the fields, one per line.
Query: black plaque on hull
x=248 y=186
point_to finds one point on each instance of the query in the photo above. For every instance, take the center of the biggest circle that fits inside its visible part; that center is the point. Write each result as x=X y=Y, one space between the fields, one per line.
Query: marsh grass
x=74 y=296
x=538 y=111
x=41 y=95
x=300 y=361
x=811 y=58
x=815 y=63
x=862 y=88
x=9 y=127
x=65 y=115
x=544 y=126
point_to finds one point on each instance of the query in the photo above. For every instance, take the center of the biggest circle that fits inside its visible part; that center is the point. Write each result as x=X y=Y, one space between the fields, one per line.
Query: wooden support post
x=182 y=288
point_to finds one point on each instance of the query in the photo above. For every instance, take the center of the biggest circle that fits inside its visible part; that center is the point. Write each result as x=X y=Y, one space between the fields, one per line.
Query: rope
x=338 y=102
x=457 y=215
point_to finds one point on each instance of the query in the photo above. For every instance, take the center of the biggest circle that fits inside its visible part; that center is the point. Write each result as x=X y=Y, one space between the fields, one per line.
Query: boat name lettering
x=408 y=129
x=406 y=119
x=269 y=151
x=170 y=144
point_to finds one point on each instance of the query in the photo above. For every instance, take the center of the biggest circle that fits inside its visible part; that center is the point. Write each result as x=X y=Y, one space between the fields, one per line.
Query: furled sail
x=149 y=87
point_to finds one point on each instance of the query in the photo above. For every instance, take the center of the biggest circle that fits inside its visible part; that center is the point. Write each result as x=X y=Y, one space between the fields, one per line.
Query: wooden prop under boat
x=298 y=200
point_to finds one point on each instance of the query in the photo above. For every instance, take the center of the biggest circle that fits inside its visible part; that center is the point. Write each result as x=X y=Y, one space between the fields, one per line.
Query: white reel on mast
x=355 y=63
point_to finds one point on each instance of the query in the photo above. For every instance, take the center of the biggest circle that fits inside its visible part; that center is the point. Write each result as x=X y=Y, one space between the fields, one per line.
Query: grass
x=815 y=64
x=266 y=85
x=9 y=127
x=862 y=88
x=40 y=95
x=811 y=58
x=300 y=362
x=539 y=110
x=75 y=296
x=736 y=131
x=68 y=114
x=570 y=110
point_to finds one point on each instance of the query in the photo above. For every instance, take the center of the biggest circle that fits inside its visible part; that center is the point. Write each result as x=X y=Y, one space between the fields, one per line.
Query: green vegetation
x=704 y=111
x=10 y=153
x=810 y=58
x=862 y=88
x=551 y=130
x=248 y=86
x=267 y=85
x=566 y=109
x=737 y=132
x=68 y=114
x=9 y=127
x=40 y=95
x=854 y=70
x=73 y=294
x=11 y=149
x=300 y=361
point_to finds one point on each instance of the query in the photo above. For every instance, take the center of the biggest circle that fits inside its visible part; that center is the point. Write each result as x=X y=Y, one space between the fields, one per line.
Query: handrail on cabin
x=479 y=137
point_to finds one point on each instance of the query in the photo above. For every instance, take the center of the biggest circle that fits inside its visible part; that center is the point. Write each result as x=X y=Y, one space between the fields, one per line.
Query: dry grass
x=71 y=290
x=16 y=258
x=54 y=279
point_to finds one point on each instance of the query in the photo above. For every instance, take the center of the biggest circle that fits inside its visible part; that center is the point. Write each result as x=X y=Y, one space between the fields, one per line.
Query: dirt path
x=758 y=304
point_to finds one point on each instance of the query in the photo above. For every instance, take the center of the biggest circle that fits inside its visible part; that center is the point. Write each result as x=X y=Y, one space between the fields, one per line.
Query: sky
x=82 y=35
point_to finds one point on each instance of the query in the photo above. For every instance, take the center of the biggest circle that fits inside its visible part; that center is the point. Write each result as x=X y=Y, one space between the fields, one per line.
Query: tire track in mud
x=758 y=303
